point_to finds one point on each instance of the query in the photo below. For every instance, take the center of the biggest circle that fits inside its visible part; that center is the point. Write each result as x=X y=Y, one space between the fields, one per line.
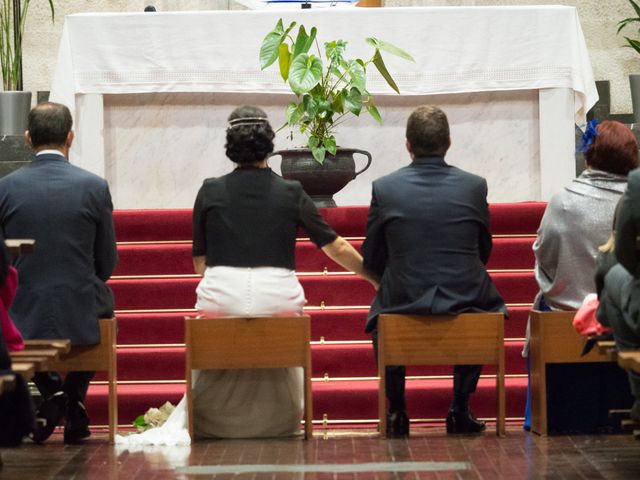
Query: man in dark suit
x=428 y=240
x=62 y=291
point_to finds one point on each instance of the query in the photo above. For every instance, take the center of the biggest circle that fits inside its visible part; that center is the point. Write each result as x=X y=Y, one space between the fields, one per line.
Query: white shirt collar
x=51 y=151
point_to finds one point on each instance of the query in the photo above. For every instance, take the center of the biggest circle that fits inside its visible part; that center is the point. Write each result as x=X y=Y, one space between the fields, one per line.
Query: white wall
x=610 y=60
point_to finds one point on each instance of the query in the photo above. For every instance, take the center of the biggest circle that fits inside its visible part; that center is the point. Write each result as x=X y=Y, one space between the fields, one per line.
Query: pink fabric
x=12 y=336
x=585 y=321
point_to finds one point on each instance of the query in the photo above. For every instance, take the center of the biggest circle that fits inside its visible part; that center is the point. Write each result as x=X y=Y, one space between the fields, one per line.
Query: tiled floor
x=338 y=456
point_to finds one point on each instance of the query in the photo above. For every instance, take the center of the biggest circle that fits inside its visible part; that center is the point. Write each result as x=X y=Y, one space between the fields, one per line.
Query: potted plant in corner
x=634 y=79
x=327 y=94
x=14 y=103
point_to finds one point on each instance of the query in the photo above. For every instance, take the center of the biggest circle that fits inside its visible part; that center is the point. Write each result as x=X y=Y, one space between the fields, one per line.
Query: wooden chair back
x=552 y=340
x=100 y=357
x=249 y=342
x=465 y=339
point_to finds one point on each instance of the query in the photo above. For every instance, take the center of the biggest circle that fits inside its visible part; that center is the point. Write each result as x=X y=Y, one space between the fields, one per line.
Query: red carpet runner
x=154 y=288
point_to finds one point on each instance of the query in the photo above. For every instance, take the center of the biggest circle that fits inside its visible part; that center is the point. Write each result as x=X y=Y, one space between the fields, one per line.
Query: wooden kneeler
x=552 y=340
x=100 y=357
x=465 y=339
x=249 y=342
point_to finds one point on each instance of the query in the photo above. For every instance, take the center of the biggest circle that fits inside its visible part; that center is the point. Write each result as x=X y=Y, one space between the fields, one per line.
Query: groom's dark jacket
x=428 y=239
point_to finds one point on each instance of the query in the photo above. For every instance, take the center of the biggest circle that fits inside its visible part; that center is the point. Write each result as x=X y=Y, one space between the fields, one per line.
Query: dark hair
x=428 y=131
x=614 y=150
x=249 y=135
x=49 y=124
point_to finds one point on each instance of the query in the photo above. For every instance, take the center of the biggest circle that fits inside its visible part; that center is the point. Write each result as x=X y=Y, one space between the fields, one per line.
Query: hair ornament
x=589 y=135
x=236 y=122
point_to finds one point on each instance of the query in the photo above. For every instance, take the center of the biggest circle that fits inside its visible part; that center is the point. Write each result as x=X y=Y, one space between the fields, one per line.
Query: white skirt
x=239 y=403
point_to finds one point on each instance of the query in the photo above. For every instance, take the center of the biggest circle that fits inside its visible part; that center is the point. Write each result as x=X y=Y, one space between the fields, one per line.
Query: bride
x=244 y=234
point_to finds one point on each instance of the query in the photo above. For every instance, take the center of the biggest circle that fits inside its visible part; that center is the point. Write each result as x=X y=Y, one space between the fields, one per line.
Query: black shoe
x=397 y=425
x=464 y=422
x=49 y=415
x=76 y=428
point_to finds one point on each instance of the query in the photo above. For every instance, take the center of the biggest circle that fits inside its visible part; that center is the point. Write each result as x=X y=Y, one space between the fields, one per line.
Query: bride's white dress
x=239 y=403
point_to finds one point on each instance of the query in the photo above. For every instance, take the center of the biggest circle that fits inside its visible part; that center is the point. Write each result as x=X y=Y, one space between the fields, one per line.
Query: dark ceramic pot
x=321 y=182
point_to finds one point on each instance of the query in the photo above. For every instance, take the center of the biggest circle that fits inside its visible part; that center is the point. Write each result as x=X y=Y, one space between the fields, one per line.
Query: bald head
x=49 y=126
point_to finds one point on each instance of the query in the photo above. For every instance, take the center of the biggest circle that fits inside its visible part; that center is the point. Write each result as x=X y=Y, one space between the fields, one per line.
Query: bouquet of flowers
x=154 y=417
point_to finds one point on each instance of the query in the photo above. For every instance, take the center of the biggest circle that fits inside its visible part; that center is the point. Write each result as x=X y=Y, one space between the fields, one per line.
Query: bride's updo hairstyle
x=249 y=135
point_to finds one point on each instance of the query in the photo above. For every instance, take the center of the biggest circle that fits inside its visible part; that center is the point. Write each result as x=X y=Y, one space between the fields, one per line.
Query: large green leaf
x=358 y=75
x=335 y=50
x=330 y=144
x=338 y=101
x=353 y=101
x=303 y=41
x=373 y=111
x=635 y=44
x=294 y=113
x=284 y=60
x=269 y=50
x=388 y=47
x=305 y=73
x=625 y=22
x=382 y=68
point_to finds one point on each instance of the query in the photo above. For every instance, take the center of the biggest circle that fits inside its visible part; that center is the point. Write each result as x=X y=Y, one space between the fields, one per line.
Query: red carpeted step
x=512 y=253
x=172 y=225
x=332 y=290
x=338 y=400
x=148 y=328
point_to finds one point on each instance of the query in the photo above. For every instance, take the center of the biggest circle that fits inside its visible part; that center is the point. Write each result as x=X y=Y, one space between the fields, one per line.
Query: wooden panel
x=19 y=246
x=465 y=339
x=630 y=360
x=90 y=357
x=369 y=3
x=26 y=369
x=262 y=342
x=62 y=345
x=553 y=336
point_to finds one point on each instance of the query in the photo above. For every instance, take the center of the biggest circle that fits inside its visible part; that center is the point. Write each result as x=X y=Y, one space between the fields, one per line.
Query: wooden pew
x=19 y=246
x=61 y=345
x=41 y=358
x=608 y=349
x=465 y=339
x=553 y=340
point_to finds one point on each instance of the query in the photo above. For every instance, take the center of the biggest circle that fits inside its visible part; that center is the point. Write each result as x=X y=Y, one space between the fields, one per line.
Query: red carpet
x=154 y=288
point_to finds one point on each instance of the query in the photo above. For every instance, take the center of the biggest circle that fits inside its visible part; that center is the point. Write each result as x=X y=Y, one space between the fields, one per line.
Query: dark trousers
x=75 y=384
x=465 y=380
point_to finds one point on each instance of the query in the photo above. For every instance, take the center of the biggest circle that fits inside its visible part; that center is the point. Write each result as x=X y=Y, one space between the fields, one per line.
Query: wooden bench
x=608 y=349
x=41 y=358
x=258 y=342
x=553 y=340
x=465 y=339
x=26 y=369
x=100 y=357
x=61 y=345
x=629 y=360
x=19 y=246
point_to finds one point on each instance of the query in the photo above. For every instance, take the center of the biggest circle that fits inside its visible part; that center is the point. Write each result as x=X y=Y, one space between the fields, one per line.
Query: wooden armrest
x=62 y=345
x=26 y=369
x=45 y=353
x=630 y=359
x=608 y=348
x=7 y=383
x=19 y=246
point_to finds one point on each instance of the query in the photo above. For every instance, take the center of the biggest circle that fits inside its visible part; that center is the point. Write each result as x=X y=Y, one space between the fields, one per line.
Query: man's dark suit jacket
x=68 y=211
x=428 y=239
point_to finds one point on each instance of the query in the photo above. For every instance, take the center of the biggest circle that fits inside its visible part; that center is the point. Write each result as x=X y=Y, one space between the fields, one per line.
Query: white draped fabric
x=457 y=49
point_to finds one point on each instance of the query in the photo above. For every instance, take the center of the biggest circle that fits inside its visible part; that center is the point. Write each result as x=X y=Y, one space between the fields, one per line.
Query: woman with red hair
x=576 y=221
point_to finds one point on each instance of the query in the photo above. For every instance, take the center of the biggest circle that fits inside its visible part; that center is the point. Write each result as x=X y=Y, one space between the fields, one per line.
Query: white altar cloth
x=457 y=49
x=528 y=63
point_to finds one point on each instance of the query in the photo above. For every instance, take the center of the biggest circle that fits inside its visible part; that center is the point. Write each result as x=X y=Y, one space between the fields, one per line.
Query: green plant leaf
x=330 y=144
x=301 y=44
x=270 y=48
x=335 y=50
x=382 y=68
x=314 y=142
x=353 y=101
x=305 y=73
x=310 y=105
x=139 y=422
x=373 y=111
x=338 y=101
x=284 y=60
x=625 y=22
x=635 y=44
x=358 y=75
x=311 y=39
x=294 y=113
x=388 y=47
x=318 y=153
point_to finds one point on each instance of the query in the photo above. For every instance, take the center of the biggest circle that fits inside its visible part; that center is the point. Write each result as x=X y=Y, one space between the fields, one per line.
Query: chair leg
x=382 y=401
x=308 y=405
x=189 y=394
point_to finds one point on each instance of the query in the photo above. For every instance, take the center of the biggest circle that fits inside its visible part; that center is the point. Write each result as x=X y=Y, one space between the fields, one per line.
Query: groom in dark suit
x=428 y=240
x=62 y=291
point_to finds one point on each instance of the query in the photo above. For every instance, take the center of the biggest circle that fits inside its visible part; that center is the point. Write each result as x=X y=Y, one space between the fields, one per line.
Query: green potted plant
x=634 y=80
x=329 y=90
x=14 y=103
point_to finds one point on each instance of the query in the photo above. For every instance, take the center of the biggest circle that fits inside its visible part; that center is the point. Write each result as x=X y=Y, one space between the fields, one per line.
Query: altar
x=150 y=93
